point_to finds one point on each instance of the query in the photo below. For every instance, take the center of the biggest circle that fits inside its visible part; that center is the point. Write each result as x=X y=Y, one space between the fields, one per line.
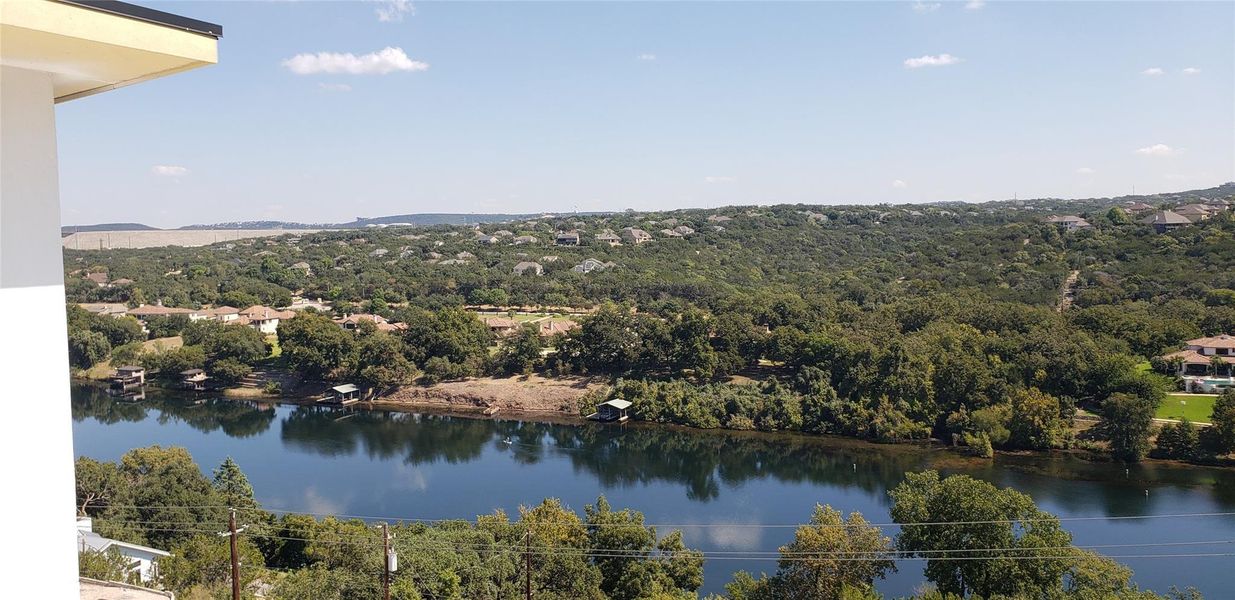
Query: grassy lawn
x=1195 y=407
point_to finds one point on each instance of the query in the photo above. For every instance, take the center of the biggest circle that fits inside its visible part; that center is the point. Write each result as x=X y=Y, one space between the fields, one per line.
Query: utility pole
x=231 y=527
x=527 y=559
x=386 y=562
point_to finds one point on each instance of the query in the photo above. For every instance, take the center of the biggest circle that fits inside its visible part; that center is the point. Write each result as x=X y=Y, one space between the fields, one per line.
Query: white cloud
x=169 y=170
x=1156 y=150
x=387 y=60
x=1085 y=171
x=334 y=87
x=898 y=184
x=925 y=7
x=975 y=5
x=1191 y=71
x=393 y=11
x=646 y=56
x=718 y=179
x=941 y=60
x=1153 y=71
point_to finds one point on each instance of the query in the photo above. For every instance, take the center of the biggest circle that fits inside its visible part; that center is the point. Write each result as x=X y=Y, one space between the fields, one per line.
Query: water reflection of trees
x=237 y=419
x=703 y=462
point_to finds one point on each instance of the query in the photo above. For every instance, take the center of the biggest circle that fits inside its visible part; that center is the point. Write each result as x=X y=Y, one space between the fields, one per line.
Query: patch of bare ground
x=532 y=394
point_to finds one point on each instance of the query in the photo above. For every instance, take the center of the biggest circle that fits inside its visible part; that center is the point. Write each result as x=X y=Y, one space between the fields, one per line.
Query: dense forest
x=883 y=322
x=159 y=496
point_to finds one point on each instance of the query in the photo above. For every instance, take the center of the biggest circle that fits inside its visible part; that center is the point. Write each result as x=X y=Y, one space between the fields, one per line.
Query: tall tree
x=1126 y=425
x=1000 y=525
x=831 y=554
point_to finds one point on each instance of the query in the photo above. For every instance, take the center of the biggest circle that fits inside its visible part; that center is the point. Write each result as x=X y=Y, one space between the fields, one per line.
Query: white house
x=264 y=318
x=145 y=560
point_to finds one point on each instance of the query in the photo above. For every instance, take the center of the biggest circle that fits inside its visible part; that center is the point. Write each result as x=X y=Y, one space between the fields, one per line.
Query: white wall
x=36 y=436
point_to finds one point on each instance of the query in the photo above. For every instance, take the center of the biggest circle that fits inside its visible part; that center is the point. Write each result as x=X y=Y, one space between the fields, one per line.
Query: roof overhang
x=90 y=47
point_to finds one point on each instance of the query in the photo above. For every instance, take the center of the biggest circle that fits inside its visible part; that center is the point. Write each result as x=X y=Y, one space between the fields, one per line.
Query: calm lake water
x=406 y=465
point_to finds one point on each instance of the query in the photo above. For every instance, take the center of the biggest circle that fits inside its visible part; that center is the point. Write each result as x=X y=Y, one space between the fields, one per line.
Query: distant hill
x=257 y=225
x=71 y=229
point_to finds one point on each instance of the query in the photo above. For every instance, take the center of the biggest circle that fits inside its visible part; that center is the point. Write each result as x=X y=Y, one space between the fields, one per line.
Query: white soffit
x=89 y=51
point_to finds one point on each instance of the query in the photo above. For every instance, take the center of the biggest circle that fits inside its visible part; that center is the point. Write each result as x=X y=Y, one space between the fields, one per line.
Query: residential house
x=591 y=264
x=264 y=318
x=114 y=309
x=550 y=327
x=608 y=237
x=567 y=238
x=144 y=560
x=488 y=240
x=1137 y=207
x=684 y=230
x=503 y=233
x=526 y=239
x=669 y=233
x=1197 y=357
x=501 y=326
x=299 y=303
x=719 y=219
x=452 y=261
x=123 y=281
x=352 y=322
x=99 y=279
x=303 y=267
x=1069 y=222
x=465 y=255
x=146 y=311
x=635 y=235
x=526 y=266
x=222 y=314
x=1165 y=220
x=549 y=258
x=1194 y=212
x=379 y=253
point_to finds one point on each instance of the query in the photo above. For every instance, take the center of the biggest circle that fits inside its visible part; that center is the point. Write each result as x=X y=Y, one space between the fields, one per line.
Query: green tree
x=1036 y=422
x=1179 y=441
x=232 y=486
x=1219 y=437
x=1126 y=425
x=830 y=555
x=87 y=348
x=315 y=345
x=520 y=352
x=979 y=517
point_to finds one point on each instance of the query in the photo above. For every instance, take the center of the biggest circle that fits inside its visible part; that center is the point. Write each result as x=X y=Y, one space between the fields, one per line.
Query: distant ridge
x=1223 y=191
x=258 y=225
x=71 y=229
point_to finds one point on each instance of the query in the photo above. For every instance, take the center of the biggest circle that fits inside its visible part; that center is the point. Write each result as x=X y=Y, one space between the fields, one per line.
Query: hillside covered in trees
x=884 y=322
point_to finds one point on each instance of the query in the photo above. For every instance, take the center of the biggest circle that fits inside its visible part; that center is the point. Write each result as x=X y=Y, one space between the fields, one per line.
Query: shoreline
x=436 y=401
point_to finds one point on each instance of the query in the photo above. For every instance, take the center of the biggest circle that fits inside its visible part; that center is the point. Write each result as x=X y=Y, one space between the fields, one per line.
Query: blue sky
x=526 y=107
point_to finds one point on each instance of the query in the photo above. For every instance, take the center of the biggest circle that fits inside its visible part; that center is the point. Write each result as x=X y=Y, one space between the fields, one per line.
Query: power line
x=719 y=525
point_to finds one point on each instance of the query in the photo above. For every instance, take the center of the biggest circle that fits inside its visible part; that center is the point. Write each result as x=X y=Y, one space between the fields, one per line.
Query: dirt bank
x=535 y=394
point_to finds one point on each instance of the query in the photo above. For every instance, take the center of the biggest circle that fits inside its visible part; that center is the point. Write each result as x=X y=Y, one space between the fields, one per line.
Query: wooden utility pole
x=231 y=527
x=527 y=559
x=386 y=562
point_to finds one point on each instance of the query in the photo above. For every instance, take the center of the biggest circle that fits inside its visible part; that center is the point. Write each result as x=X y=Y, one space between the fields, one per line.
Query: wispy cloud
x=646 y=56
x=899 y=184
x=939 y=60
x=169 y=170
x=718 y=179
x=1191 y=71
x=387 y=60
x=393 y=11
x=926 y=7
x=1152 y=71
x=975 y=5
x=334 y=87
x=1156 y=150
x=1085 y=171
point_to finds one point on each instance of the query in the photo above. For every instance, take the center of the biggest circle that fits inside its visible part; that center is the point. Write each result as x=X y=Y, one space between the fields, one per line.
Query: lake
x=716 y=486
